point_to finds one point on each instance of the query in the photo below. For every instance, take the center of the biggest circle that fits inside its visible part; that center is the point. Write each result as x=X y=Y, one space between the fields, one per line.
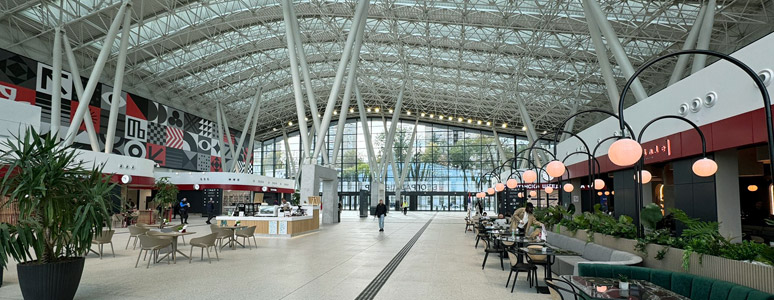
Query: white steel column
x=288 y=152
x=251 y=144
x=393 y=126
x=301 y=55
x=499 y=146
x=351 y=78
x=404 y=172
x=571 y=123
x=699 y=61
x=362 y=8
x=90 y=131
x=118 y=83
x=220 y=133
x=56 y=87
x=372 y=165
x=96 y=72
x=253 y=107
x=604 y=62
x=300 y=110
x=616 y=48
x=227 y=131
x=690 y=42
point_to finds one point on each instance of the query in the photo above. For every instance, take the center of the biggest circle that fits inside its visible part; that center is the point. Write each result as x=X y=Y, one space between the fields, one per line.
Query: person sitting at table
x=501 y=220
x=523 y=220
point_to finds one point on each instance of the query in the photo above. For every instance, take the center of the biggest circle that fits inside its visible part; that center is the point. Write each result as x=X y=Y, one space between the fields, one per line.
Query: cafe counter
x=279 y=226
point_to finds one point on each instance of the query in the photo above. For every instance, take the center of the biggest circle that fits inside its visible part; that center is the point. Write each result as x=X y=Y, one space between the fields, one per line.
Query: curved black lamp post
x=749 y=71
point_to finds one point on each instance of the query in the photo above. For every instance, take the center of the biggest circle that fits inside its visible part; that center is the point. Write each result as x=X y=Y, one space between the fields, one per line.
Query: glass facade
x=447 y=164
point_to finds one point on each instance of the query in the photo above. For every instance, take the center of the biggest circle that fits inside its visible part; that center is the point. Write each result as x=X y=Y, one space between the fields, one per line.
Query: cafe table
x=607 y=288
x=232 y=241
x=174 y=235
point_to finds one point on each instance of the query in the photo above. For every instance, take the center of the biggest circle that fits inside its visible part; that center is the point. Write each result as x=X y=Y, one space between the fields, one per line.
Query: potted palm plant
x=166 y=197
x=62 y=205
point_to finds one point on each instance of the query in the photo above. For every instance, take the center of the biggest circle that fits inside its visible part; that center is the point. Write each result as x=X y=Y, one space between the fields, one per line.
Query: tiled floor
x=337 y=262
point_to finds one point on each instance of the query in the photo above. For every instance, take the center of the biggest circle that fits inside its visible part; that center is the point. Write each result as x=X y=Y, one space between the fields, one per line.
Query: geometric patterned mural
x=170 y=137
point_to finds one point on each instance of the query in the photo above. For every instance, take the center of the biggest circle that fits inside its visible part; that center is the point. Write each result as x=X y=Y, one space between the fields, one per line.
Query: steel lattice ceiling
x=465 y=59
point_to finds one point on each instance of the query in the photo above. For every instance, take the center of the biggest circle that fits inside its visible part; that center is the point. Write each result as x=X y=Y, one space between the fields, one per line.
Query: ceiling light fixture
x=505 y=125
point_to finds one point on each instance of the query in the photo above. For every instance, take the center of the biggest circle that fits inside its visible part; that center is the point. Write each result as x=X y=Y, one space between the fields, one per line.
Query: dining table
x=608 y=288
x=547 y=251
x=174 y=235
x=232 y=241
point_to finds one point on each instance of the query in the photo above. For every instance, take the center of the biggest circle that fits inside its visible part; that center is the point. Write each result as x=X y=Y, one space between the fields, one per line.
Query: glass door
x=457 y=203
x=440 y=203
x=424 y=203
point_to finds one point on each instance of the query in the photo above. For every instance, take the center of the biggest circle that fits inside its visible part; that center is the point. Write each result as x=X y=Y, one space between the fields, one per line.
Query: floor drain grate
x=370 y=291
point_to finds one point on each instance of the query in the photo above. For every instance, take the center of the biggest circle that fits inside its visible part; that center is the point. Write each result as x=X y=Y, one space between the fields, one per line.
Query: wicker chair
x=104 y=237
x=134 y=232
x=556 y=291
x=246 y=234
x=492 y=247
x=154 y=245
x=204 y=242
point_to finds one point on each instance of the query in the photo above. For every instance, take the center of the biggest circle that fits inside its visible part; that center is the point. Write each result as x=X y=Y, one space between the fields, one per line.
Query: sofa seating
x=691 y=286
x=590 y=254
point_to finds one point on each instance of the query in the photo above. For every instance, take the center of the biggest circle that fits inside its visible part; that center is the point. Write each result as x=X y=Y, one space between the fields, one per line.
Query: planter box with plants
x=699 y=250
x=62 y=203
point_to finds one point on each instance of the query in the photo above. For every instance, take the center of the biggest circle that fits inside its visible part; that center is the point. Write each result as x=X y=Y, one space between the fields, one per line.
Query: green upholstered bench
x=691 y=286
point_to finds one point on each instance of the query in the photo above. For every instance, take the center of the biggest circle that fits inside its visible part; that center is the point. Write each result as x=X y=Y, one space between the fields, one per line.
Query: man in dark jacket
x=381 y=212
x=210 y=210
x=184 y=205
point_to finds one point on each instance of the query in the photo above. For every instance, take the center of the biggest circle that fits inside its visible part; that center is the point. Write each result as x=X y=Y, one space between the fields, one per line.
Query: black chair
x=517 y=267
x=556 y=290
x=492 y=246
x=481 y=233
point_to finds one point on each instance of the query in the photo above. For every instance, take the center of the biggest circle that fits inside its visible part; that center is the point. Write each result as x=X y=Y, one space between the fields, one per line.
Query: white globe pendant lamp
x=568 y=187
x=555 y=169
x=599 y=184
x=529 y=176
x=625 y=152
x=512 y=183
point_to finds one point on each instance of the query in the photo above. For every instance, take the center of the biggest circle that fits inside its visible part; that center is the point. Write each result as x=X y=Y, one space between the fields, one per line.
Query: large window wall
x=447 y=159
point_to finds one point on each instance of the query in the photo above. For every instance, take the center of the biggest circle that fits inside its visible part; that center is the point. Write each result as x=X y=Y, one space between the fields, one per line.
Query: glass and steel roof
x=469 y=59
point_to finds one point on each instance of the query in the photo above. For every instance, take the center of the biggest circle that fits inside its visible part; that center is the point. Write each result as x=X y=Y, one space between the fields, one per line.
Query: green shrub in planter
x=62 y=205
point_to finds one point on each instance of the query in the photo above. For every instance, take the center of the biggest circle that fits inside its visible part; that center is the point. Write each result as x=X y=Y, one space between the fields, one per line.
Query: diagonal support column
x=96 y=72
x=615 y=46
x=362 y=8
x=704 y=36
x=253 y=108
x=604 y=62
x=499 y=146
x=300 y=109
x=351 y=79
x=301 y=54
x=570 y=123
x=220 y=133
x=394 y=124
x=366 y=132
x=56 y=87
x=118 y=83
x=90 y=131
x=690 y=42
x=399 y=180
x=531 y=135
x=227 y=131
x=252 y=131
x=288 y=152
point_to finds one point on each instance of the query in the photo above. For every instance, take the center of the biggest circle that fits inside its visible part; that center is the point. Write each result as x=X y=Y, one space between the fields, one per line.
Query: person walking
x=210 y=210
x=184 y=205
x=381 y=212
x=340 y=208
x=405 y=207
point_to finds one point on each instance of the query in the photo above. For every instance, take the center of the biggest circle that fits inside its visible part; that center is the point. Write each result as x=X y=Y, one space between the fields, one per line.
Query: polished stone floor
x=337 y=262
